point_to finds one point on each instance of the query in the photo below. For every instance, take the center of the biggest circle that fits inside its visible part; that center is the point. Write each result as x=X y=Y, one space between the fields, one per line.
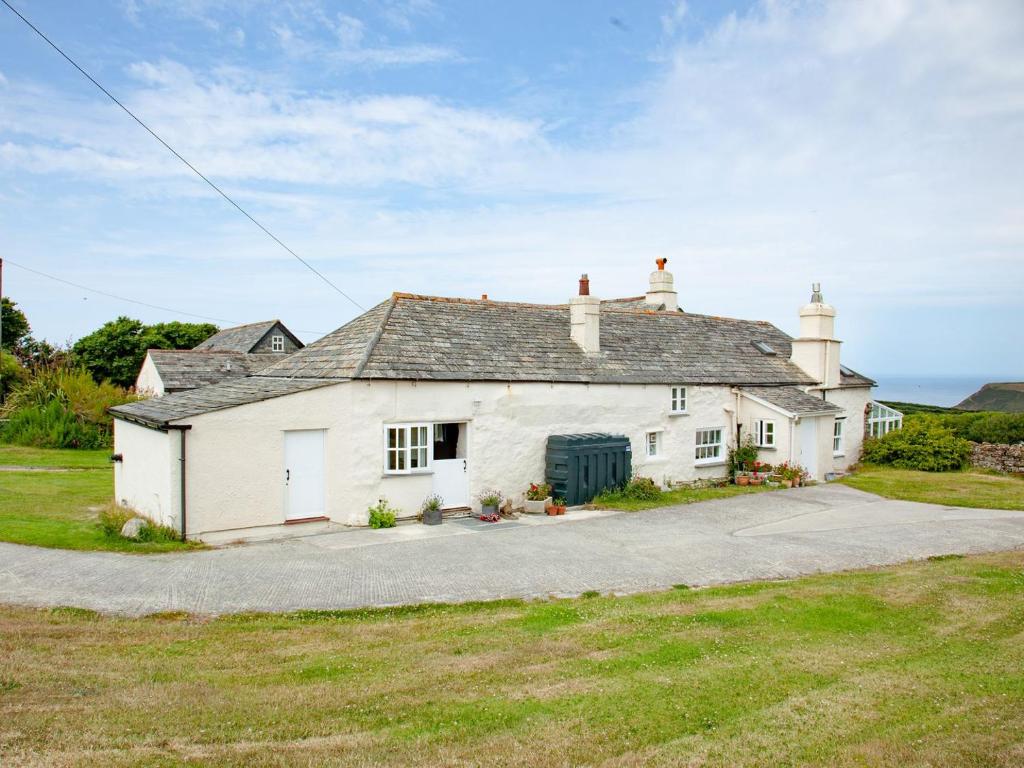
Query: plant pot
x=552 y=511
x=756 y=481
x=560 y=509
x=432 y=517
x=742 y=479
x=786 y=483
x=536 y=507
x=488 y=509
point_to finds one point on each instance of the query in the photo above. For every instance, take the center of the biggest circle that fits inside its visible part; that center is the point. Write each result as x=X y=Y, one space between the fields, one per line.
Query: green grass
x=915 y=665
x=956 y=489
x=17 y=456
x=60 y=509
x=616 y=500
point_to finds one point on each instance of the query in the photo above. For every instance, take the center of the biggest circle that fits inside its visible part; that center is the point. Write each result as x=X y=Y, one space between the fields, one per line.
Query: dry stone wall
x=997 y=456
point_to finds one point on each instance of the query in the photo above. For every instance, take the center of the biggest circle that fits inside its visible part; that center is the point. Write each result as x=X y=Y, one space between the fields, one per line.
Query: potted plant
x=489 y=502
x=538 y=497
x=742 y=478
x=756 y=479
x=430 y=511
x=560 y=505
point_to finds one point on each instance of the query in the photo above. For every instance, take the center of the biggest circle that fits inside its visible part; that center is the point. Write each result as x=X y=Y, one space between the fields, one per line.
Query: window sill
x=417 y=473
x=766 y=447
x=678 y=413
x=710 y=463
x=838 y=455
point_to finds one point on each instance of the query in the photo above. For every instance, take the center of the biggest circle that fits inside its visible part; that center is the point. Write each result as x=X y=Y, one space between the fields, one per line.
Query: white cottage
x=424 y=395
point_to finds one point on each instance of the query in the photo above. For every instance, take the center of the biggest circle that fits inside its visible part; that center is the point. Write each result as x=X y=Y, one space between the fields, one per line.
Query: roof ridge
x=375 y=338
x=462 y=300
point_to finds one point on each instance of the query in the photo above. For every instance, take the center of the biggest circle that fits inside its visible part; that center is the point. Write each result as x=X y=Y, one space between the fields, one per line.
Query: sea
x=930 y=390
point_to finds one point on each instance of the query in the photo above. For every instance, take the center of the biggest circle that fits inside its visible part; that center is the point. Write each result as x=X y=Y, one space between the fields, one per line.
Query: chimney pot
x=661 y=263
x=584 y=285
x=483 y=297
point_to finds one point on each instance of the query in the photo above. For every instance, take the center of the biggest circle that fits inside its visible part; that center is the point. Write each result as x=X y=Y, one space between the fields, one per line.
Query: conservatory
x=883 y=420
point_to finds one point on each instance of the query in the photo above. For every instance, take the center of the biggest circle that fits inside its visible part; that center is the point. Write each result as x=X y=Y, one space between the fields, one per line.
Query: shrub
x=12 y=374
x=981 y=427
x=920 y=444
x=113 y=517
x=432 y=503
x=641 y=489
x=51 y=426
x=381 y=515
x=61 y=407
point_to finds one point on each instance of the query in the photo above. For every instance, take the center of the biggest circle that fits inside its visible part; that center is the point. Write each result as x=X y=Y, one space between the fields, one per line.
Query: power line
x=115 y=296
x=174 y=152
x=131 y=301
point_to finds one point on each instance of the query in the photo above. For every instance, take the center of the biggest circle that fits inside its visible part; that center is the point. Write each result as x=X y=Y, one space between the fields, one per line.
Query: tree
x=175 y=335
x=115 y=351
x=13 y=325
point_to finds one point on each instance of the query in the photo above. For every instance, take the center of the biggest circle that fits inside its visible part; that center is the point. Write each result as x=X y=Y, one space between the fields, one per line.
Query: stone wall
x=1002 y=458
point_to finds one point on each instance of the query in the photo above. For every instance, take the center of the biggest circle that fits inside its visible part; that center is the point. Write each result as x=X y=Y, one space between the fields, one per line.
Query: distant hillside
x=1007 y=397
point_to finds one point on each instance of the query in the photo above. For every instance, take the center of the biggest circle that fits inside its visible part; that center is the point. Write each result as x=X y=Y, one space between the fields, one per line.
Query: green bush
x=113 y=517
x=920 y=444
x=381 y=515
x=980 y=427
x=641 y=489
x=51 y=426
x=60 y=407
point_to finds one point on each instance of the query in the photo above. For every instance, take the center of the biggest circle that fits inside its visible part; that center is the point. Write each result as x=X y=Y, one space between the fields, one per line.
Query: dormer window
x=678 y=400
x=277 y=343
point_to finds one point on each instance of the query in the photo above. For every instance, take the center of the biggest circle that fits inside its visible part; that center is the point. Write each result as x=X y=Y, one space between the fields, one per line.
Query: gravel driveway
x=758 y=536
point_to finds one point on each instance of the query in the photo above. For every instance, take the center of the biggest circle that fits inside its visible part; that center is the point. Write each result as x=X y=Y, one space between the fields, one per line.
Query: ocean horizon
x=946 y=391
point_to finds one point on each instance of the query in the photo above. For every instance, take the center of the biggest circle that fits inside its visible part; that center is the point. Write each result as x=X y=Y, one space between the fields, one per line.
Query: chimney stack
x=816 y=351
x=661 y=294
x=585 y=318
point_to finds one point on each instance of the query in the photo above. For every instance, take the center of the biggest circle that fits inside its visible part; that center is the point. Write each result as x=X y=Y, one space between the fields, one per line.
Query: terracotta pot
x=756 y=481
x=742 y=479
x=552 y=511
x=786 y=483
x=561 y=509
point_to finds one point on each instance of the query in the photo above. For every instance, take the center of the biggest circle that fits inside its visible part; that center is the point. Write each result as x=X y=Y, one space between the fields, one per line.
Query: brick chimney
x=585 y=318
x=661 y=294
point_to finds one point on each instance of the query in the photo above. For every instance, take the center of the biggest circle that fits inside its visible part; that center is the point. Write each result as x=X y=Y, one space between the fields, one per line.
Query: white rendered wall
x=236 y=456
x=146 y=479
x=853 y=401
x=149 y=381
x=751 y=412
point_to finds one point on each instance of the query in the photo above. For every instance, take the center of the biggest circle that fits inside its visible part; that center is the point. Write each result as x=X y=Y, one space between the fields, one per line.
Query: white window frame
x=678 y=401
x=764 y=433
x=708 y=452
x=405 y=447
x=277 y=343
x=883 y=420
x=656 y=434
x=839 y=437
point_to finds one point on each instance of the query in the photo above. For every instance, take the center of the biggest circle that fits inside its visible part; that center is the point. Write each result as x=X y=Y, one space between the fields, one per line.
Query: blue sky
x=503 y=148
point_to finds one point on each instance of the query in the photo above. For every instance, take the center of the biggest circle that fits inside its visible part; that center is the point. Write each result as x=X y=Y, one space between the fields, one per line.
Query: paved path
x=759 y=536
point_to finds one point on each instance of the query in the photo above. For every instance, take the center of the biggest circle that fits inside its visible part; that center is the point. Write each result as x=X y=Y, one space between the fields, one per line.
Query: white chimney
x=585 y=318
x=816 y=351
x=661 y=294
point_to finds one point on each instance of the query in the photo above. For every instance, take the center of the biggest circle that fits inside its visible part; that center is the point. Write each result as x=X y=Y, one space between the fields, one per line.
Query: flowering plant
x=538 y=491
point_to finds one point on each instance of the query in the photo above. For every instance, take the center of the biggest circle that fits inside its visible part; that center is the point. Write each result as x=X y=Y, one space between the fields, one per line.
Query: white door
x=304 y=473
x=451 y=482
x=809 y=446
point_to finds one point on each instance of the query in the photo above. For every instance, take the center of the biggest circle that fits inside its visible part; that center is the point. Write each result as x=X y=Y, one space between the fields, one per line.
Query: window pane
x=392 y=438
x=392 y=460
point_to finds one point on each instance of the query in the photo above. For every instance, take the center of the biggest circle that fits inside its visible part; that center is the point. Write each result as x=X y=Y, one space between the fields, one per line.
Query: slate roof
x=242 y=338
x=793 y=400
x=431 y=338
x=190 y=368
x=850 y=378
x=160 y=411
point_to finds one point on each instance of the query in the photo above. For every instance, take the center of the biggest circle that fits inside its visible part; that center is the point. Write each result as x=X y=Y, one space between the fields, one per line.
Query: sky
x=462 y=148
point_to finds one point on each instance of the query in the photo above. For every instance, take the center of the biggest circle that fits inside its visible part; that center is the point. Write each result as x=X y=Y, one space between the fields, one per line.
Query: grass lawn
x=955 y=489
x=676 y=496
x=58 y=509
x=920 y=664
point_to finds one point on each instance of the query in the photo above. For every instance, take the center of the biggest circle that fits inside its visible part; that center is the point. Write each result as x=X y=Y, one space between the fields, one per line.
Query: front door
x=304 y=473
x=451 y=467
x=809 y=446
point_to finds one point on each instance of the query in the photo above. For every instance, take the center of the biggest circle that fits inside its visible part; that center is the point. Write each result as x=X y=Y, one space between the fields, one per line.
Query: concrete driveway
x=760 y=536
